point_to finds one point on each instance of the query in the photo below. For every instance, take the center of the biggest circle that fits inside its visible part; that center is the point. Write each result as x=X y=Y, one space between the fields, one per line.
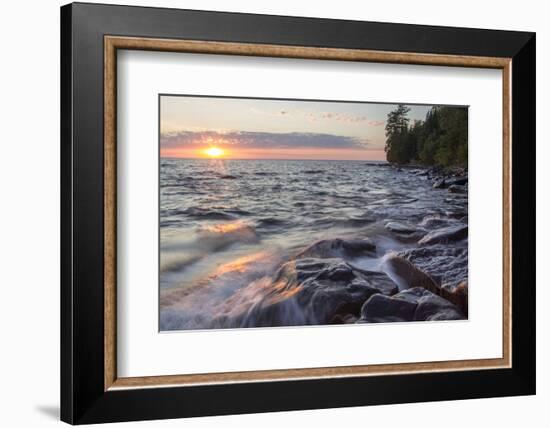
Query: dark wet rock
x=439 y=184
x=455 y=188
x=414 y=304
x=309 y=291
x=435 y=308
x=421 y=172
x=380 y=308
x=453 y=269
x=460 y=181
x=457 y=294
x=445 y=235
x=458 y=171
x=330 y=248
x=343 y=319
x=446 y=177
x=408 y=275
x=447 y=265
x=397 y=227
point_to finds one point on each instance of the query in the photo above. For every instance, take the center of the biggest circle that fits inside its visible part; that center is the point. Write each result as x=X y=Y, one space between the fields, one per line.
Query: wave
x=213 y=213
x=268 y=222
x=208 y=214
x=266 y=174
x=180 y=252
x=250 y=294
x=227 y=231
x=233 y=286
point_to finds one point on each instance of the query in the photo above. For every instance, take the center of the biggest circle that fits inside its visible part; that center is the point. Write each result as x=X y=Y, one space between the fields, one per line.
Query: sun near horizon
x=213 y=152
x=301 y=153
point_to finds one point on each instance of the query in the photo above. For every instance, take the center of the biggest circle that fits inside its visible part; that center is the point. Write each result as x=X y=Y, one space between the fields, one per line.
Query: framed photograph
x=265 y=213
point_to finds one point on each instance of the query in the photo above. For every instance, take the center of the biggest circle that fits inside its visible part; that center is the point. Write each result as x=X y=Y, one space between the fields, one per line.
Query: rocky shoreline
x=330 y=290
x=427 y=280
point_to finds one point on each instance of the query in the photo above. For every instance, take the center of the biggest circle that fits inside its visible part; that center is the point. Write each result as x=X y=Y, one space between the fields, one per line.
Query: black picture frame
x=83 y=398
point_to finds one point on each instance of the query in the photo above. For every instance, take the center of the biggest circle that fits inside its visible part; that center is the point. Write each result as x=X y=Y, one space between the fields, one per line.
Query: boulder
x=457 y=294
x=448 y=180
x=454 y=188
x=448 y=234
x=380 y=308
x=343 y=319
x=414 y=304
x=407 y=275
x=452 y=269
x=435 y=308
x=445 y=264
x=306 y=291
x=439 y=183
x=339 y=248
x=459 y=181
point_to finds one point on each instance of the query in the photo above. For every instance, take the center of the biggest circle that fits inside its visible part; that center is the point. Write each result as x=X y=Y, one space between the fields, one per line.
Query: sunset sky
x=236 y=128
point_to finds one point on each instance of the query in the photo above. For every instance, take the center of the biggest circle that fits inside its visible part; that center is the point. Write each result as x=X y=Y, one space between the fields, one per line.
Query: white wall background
x=29 y=214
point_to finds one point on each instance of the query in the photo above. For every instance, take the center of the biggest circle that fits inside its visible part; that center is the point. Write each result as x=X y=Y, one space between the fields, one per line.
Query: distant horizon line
x=275 y=159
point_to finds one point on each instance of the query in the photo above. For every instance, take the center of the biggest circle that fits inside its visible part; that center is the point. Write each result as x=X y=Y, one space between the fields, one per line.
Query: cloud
x=264 y=140
x=327 y=115
x=342 y=117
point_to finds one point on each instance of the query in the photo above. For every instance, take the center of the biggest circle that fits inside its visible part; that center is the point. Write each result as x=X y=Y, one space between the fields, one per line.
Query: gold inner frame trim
x=113 y=43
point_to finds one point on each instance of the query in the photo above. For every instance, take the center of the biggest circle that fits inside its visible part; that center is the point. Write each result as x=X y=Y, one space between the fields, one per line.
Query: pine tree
x=441 y=139
x=397 y=127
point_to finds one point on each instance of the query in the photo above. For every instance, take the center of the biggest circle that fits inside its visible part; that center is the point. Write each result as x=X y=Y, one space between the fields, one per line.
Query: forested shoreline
x=441 y=139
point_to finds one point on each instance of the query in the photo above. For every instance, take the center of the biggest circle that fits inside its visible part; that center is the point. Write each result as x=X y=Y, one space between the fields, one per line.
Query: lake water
x=226 y=226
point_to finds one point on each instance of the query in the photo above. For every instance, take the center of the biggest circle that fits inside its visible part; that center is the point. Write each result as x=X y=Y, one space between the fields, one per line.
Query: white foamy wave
x=181 y=251
x=231 y=286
